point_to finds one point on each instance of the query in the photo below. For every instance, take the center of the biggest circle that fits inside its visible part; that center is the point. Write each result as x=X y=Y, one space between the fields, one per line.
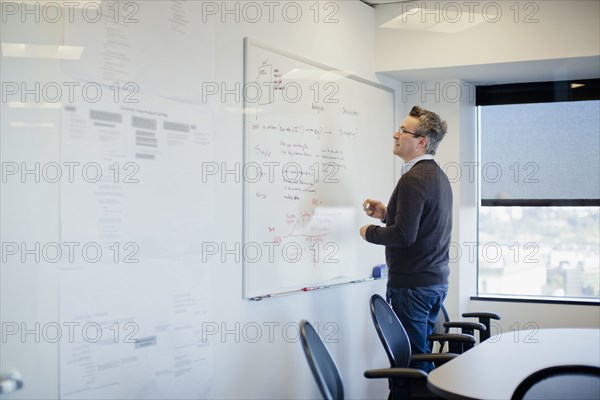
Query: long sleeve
x=407 y=204
x=418 y=228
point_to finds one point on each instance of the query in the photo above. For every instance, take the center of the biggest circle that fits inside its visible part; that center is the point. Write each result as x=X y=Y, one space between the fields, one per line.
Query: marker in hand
x=367 y=208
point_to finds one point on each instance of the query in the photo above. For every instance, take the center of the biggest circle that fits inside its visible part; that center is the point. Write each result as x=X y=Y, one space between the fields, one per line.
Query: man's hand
x=363 y=231
x=374 y=208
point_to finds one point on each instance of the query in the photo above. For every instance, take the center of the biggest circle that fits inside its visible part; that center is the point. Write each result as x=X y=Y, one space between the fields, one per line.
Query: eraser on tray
x=380 y=271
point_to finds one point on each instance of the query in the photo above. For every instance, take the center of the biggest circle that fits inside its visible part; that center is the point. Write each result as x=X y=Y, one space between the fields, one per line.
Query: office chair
x=443 y=325
x=326 y=372
x=574 y=382
x=395 y=341
x=321 y=364
x=458 y=343
x=485 y=319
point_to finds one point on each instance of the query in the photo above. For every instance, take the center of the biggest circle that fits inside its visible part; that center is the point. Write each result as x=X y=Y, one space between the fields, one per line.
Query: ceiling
x=509 y=72
x=377 y=2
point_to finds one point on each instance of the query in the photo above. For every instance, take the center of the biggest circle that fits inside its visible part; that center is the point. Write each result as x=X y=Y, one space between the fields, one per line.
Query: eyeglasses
x=402 y=131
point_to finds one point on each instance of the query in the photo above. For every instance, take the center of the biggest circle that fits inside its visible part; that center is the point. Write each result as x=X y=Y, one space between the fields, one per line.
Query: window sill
x=578 y=301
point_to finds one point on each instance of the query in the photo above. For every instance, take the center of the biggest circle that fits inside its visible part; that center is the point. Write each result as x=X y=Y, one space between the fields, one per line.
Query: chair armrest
x=436 y=358
x=485 y=318
x=452 y=337
x=396 y=373
x=471 y=326
x=458 y=343
x=481 y=315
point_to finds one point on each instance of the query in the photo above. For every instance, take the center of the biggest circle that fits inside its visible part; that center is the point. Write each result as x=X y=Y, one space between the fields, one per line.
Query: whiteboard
x=317 y=142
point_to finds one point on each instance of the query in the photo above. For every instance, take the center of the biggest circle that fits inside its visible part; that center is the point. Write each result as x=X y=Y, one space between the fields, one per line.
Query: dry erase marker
x=308 y=289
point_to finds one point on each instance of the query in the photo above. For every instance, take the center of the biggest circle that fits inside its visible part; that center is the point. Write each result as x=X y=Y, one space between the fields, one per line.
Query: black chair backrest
x=323 y=367
x=573 y=382
x=391 y=332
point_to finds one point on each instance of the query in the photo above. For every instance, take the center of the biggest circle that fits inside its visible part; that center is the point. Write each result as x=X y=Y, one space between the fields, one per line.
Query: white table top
x=494 y=369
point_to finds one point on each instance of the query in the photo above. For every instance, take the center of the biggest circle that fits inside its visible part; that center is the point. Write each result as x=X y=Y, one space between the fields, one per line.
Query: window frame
x=527 y=93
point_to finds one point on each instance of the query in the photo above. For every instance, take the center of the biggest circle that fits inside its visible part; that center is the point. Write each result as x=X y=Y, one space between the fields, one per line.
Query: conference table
x=493 y=369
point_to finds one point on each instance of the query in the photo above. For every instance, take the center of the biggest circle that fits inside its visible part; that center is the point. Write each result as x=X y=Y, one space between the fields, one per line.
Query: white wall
x=278 y=369
x=453 y=100
x=247 y=364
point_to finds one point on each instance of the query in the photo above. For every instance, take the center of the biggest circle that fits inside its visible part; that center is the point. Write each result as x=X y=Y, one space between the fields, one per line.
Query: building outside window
x=539 y=212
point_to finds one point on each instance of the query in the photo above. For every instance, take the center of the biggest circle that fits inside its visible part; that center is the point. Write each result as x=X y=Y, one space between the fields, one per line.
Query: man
x=416 y=237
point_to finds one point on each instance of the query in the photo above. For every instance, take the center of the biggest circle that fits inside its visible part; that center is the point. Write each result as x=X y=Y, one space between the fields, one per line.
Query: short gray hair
x=431 y=126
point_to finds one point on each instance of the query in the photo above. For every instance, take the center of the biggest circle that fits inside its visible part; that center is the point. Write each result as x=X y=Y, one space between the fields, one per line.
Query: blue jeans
x=417 y=309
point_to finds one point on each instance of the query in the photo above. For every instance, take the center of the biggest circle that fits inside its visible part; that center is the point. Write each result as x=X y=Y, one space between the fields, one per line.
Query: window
x=539 y=216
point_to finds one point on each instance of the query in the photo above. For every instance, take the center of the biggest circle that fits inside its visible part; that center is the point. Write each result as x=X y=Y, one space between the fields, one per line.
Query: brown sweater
x=418 y=227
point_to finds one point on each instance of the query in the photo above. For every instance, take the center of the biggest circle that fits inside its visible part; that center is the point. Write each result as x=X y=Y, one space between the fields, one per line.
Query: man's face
x=407 y=145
